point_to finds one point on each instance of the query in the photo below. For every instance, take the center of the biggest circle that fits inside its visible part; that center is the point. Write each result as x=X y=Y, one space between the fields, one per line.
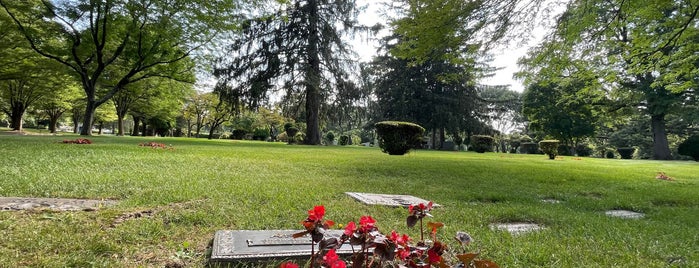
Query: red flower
x=317 y=213
x=367 y=223
x=289 y=265
x=433 y=256
x=350 y=229
x=332 y=260
x=403 y=254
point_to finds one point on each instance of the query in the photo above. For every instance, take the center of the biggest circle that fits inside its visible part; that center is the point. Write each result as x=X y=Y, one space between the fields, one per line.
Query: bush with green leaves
x=482 y=143
x=397 y=138
x=529 y=148
x=609 y=154
x=583 y=150
x=626 y=152
x=690 y=147
x=329 y=138
x=238 y=134
x=260 y=134
x=291 y=133
x=356 y=140
x=549 y=147
x=564 y=149
x=344 y=140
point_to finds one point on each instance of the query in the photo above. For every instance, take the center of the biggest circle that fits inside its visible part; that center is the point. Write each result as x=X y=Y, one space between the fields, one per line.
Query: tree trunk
x=661 y=148
x=53 y=119
x=442 y=136
x=100 y=127
x=313 y=77
x=120 y=125
x=434 y=139
x=89 y=117
x=136 y=123
x=17 y=115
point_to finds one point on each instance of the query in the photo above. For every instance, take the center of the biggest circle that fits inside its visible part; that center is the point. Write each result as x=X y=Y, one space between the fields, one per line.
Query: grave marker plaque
x=388 y=199
x=230 y=246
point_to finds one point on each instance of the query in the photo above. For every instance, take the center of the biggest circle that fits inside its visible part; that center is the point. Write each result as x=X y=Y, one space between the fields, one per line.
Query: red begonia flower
x=289 y=265
x=316 y=213
x=366 y=223
x=350 y=228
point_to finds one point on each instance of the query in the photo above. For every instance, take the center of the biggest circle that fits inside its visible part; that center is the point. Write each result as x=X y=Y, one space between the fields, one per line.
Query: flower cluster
x=371 y=248
x=78 y=141
x=156 y=145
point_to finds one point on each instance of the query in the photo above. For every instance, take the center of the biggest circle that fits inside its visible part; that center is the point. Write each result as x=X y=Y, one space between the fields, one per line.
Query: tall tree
x=298 y=49
x=134 y=40
x=645 y=51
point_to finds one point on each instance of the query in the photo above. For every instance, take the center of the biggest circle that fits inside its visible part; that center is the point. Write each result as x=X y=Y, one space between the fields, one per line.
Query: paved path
x=55 y=204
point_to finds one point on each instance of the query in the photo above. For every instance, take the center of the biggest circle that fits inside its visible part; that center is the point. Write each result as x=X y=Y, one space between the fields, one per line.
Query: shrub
x=344 y=140
x=529 y=148
x=566 y=150
x=690 y=147
x=282 y=137
x=397 y=138
x=329 y=138
x=583 y=150
x=609 y=154
x=299 y=137
x=238 y=134
x=356 y=140
x=291 y=132
x=549 y=147
x=626 y=152
x=260 y=134
x=482 y=143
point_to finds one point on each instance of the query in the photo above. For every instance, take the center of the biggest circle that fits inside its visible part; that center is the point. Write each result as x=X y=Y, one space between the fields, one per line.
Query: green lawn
x=202 y=186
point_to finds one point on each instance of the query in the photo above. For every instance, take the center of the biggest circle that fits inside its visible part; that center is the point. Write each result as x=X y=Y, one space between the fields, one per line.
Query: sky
x=504 y=57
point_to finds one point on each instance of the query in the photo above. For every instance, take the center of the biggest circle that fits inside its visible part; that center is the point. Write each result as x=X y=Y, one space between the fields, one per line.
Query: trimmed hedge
x=529 y=148
x=482 y=143
x=690 y=147
x=291 y=134
x=397 y=138
x=549 y=147
x=344 y=140
x=626 y=152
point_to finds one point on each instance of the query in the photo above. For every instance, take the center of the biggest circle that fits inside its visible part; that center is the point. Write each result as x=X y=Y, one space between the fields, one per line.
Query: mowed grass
x=202 y=186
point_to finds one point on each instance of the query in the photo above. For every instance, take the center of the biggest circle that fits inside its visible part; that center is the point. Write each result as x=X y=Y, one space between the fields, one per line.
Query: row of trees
x=618 y=70
x=606 y=65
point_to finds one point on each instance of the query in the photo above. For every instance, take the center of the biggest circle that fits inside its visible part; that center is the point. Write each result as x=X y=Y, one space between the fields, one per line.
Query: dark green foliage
x=583 y=150
x=291 y=134
x=609 y=154
x=552 y=112
x=329 y=137
x=288 y=125
x=529 y=148
x=397 y=138
x=482 y=143
x=238 y=134
x=298 y=50
x=344 y=140
x=690 y=147
x=626 y=152
x=549 y=147
x=564 y=149
x=260 y=134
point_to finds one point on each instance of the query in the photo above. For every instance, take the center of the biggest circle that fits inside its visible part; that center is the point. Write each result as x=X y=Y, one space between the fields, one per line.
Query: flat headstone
x=392 y=200
x=57 y=204
x=551 y=201
x=516 y=228
x=246 y=245
x=625 y=214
